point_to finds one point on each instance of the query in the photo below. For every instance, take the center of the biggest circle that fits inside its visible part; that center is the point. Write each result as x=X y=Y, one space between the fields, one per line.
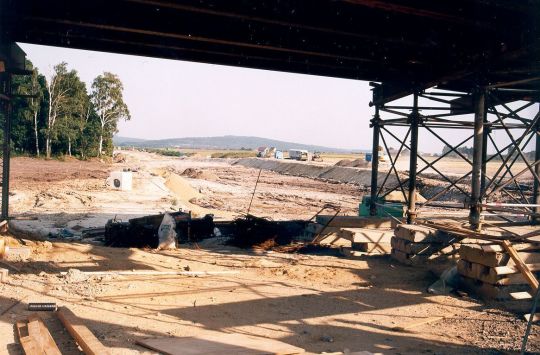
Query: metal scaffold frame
x=6 y=107
x=483 y=111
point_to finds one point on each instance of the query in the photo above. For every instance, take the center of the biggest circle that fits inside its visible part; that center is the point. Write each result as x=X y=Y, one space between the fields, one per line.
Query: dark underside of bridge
x=405 y=44
x=481 y=53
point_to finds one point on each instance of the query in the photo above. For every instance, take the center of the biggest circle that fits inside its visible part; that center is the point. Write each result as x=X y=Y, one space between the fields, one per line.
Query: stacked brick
x=488 y=271
x=414 y=244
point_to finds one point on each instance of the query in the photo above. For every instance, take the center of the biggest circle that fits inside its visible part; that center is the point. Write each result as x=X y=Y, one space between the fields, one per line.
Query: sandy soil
x=317 y=302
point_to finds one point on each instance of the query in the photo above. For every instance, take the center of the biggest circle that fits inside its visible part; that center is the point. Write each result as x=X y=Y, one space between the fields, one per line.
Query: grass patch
x=170 y=152
x=234 y=154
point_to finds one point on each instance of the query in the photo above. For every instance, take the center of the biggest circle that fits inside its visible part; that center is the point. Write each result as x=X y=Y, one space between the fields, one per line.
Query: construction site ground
x=320 y=302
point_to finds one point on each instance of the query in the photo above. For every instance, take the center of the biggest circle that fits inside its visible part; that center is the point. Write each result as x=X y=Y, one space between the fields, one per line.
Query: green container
x=394 y=209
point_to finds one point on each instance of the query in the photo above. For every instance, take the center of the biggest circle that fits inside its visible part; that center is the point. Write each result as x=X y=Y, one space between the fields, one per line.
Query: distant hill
x=119 y=140
x=223 y=142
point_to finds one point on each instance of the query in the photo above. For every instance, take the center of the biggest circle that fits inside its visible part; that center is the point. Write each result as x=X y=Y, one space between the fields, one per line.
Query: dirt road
x=317 y=302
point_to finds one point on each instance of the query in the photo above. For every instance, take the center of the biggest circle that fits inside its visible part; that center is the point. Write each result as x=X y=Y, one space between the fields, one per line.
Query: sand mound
x=180 y=187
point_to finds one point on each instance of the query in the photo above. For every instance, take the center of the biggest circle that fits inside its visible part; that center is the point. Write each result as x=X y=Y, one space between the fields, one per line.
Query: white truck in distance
x=298 y=154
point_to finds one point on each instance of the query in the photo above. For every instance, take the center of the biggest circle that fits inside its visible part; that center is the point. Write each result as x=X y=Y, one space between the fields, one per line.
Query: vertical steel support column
x=479 y=113
x=375 y=121
x=485 y=140
x=6 y=148
x=536 y=191
x=414 y=119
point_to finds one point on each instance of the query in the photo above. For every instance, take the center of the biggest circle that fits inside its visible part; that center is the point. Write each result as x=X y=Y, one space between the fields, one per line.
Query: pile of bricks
x=414 y=244
x=488 y=271
x=354 y=235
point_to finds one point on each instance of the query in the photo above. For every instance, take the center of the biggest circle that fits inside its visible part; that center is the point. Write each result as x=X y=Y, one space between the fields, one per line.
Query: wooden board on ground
x=82 y=335
x=28 y=343
x=354 y=221
x=364 y=235
x=216 y=343
x=41 y=335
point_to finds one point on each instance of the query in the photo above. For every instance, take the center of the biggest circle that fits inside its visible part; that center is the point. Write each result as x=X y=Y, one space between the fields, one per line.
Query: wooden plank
x=39 y=332
x=520 y=264
x=27 y=342
x=156 y=273
x=215 y=343
x=508 y=270
x=84 y=337
x=520 y=295
x=355 y=221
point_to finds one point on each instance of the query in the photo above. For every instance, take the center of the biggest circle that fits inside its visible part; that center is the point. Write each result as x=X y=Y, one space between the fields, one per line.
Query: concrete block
x=492 y=257
x=364 y=235
x=489 y=292
x=409 y=247
x=488 y=274
x=423 y=234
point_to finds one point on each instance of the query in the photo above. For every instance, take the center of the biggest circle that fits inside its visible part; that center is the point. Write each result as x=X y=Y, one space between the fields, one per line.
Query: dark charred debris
x=244 y=232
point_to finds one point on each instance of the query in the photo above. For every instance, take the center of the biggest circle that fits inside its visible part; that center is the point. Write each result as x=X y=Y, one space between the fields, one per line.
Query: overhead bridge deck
x=488 y=51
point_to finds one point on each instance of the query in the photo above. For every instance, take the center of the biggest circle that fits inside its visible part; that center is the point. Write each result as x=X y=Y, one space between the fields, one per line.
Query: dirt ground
x=322 y=303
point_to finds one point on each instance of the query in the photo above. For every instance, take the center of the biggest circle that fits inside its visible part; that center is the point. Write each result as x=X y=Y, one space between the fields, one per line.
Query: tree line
x=58 y=115
x=468 y=152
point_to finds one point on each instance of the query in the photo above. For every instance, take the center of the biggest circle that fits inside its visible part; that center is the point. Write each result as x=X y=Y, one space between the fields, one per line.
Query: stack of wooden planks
x=354 y=234
x=414 y=244
x=490 y=272
x=36 y=339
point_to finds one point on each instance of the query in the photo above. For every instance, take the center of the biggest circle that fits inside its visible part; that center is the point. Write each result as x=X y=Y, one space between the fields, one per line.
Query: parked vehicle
x=298 y=154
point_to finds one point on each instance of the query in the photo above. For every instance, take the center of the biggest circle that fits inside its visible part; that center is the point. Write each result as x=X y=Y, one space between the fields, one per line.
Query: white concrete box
x=121 y=180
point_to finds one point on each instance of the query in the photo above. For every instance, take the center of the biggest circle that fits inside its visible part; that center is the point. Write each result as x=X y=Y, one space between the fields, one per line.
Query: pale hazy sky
x=170 y=99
